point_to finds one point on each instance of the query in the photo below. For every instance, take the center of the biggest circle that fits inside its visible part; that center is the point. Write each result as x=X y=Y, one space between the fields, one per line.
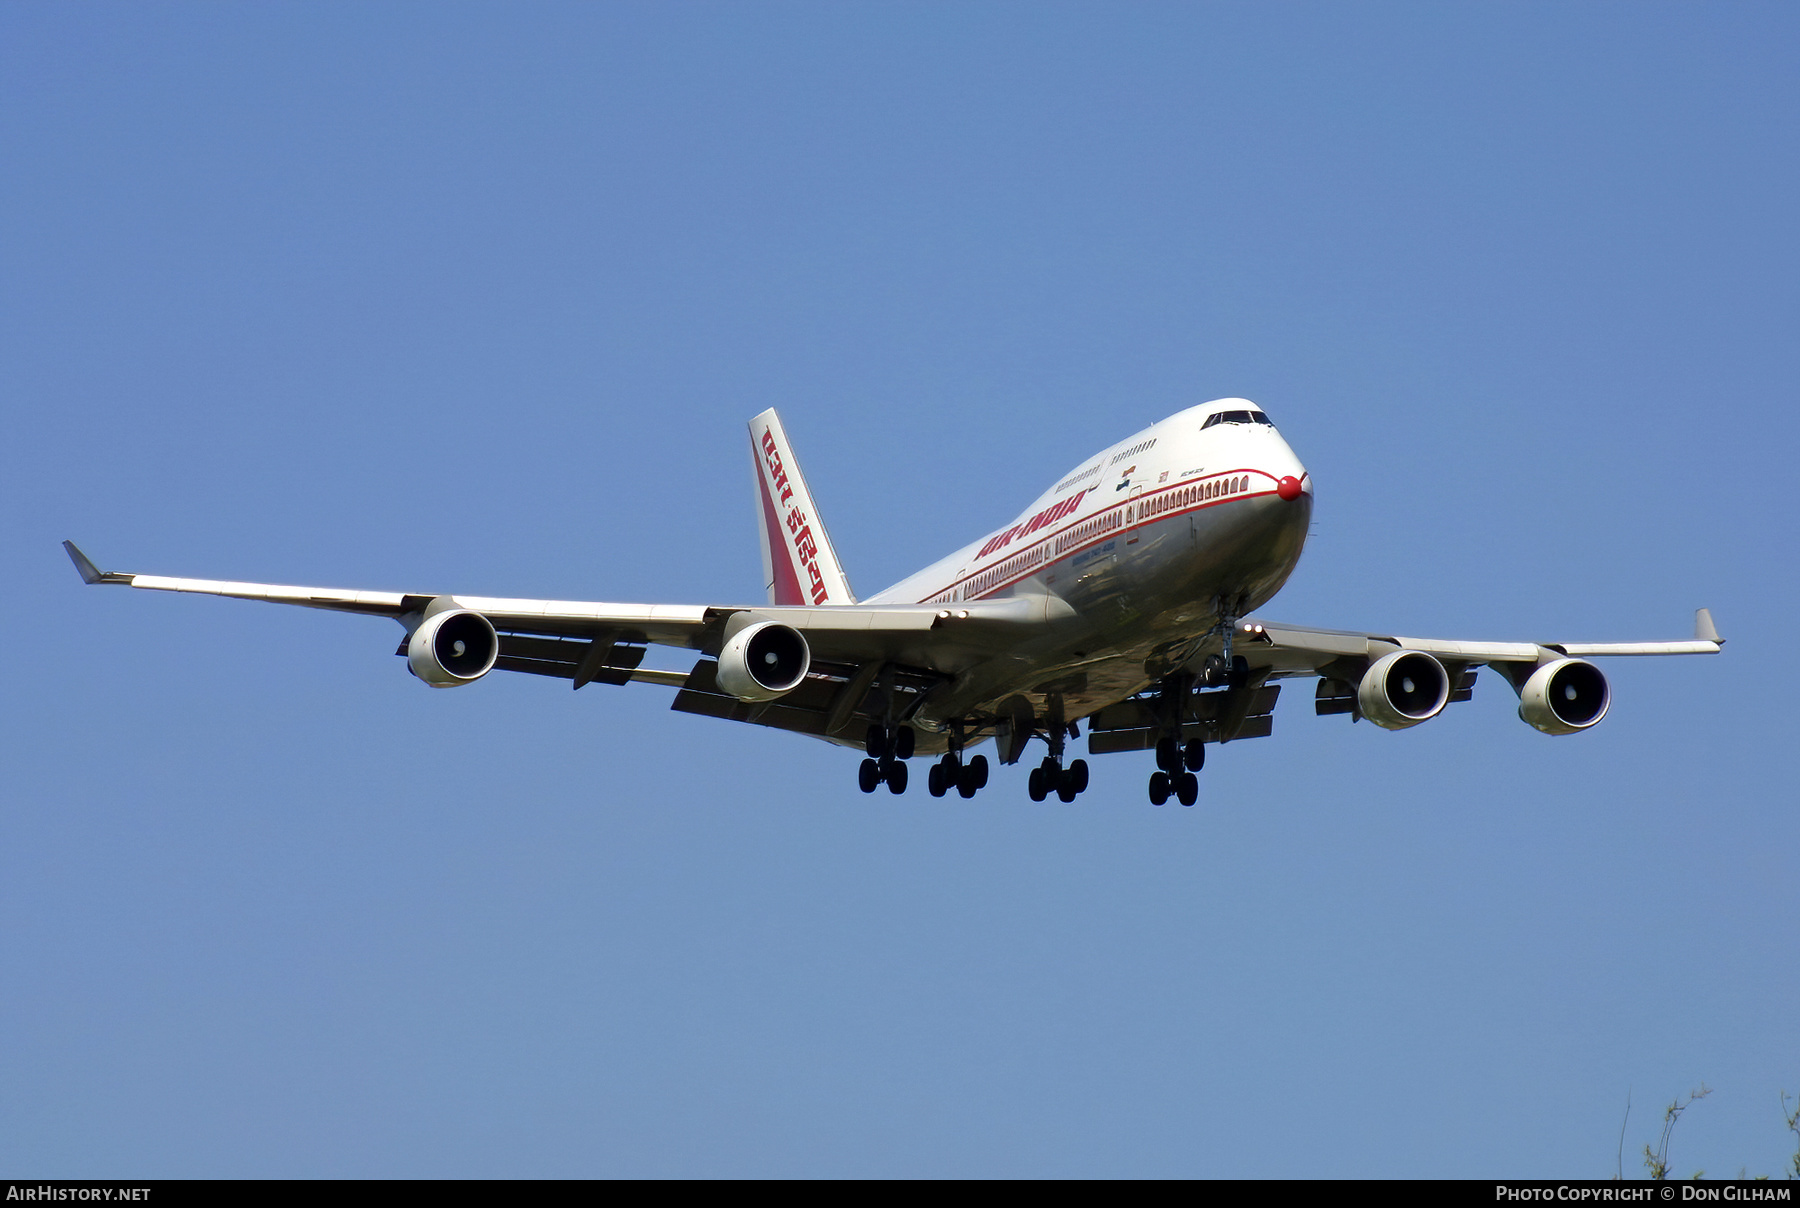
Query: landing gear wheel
x=868 y=776
x=966 y=782
x=896 y=777
x=1194 y=755
x=1035 y=785
x=978 y=765
x=1159 y=787
x=1065 y=792
x=934 y=780
x=1187 y=788
x=903 y=743
x=1212 y=672
x=1168 y=755
x=875 y=745
x=1078 y=775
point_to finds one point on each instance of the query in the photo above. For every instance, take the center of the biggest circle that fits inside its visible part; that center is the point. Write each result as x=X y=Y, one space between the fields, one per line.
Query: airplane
x=1123 y=599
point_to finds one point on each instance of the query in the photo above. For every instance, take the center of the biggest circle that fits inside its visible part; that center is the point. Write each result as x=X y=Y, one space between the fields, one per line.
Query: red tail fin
x=799 y=564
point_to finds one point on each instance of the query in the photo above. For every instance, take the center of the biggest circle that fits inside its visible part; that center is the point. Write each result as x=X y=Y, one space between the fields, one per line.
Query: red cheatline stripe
x=1138 y=522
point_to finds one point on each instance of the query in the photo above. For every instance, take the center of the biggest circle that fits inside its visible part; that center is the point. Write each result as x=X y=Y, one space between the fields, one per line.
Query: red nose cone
x=1288 y=488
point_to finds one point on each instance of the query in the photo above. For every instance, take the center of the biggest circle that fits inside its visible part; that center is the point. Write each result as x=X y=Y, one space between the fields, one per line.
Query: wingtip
x=89 y=572
x=1704 y=629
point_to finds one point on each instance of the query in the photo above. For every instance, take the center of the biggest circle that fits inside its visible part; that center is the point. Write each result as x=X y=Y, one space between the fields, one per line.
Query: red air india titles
x=804 y=545
x=1049 y=515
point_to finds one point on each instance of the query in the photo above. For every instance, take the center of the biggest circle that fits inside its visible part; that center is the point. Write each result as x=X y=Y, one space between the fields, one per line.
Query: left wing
x=855 y=649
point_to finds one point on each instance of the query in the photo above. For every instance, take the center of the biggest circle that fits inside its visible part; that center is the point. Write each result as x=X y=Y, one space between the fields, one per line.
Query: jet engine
x=1403 y=689
x=763 y=661
x=1564 y=697
x=453 y=648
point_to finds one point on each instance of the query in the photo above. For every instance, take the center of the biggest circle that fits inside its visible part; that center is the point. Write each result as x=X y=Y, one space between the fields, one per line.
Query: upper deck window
x=1235 y=417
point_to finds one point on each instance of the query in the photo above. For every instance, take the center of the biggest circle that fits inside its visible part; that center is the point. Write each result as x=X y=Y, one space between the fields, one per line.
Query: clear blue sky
x=478 y=298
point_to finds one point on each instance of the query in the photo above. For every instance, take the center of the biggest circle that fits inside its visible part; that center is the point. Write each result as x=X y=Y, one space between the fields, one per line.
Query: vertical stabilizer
x=799 y=565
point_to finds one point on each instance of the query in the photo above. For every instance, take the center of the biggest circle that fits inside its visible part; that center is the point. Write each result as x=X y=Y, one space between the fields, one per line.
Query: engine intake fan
x=453 y=648
x=1403 y=689
x=763 y=661
x=1564 y=697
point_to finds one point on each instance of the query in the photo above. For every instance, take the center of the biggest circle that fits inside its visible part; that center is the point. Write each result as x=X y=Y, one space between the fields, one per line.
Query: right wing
x=1271 y=651
x=1293 y=650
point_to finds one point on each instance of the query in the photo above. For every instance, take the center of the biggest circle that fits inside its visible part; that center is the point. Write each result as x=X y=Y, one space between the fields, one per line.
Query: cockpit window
x=1235 y=417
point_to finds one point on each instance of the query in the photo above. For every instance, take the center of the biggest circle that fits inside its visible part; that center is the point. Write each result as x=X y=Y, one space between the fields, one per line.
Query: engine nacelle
x=453 y=648
x=1564 y=697
x=763 y=661
x=1403 y=689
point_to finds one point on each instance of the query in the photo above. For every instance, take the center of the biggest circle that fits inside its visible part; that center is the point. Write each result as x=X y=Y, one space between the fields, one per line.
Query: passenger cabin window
x=1235 y=417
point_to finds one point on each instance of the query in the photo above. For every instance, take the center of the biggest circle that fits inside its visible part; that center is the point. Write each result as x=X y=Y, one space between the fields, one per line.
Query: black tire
x=1187 y=788
x=1035 y=785
x=1078 y=775
x=875 y=745
x=868 y=776
x=1168 y=755
x=1065 y=792
x=1212 y=672
x=965 y=783
x=896 y=778
x=978 y=765
x=934 y=780
x=903 y=743
x=1159 y=787
x=1194 y=755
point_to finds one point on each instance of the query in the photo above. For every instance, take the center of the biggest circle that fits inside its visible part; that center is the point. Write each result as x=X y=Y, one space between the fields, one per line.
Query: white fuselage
x=1137 y=553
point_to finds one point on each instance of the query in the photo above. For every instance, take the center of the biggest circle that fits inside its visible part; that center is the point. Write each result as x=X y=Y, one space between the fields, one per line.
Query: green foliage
x=1656 y=1161
x=1793 y=1123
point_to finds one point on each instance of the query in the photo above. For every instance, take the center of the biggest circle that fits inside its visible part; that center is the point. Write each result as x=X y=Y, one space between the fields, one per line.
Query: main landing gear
x=951 y=772
x=1051 y=777
x=888 y=752
x=1176 y=764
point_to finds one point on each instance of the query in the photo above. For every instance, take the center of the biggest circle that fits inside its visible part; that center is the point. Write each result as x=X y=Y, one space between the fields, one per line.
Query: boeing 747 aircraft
x=1122 y=600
